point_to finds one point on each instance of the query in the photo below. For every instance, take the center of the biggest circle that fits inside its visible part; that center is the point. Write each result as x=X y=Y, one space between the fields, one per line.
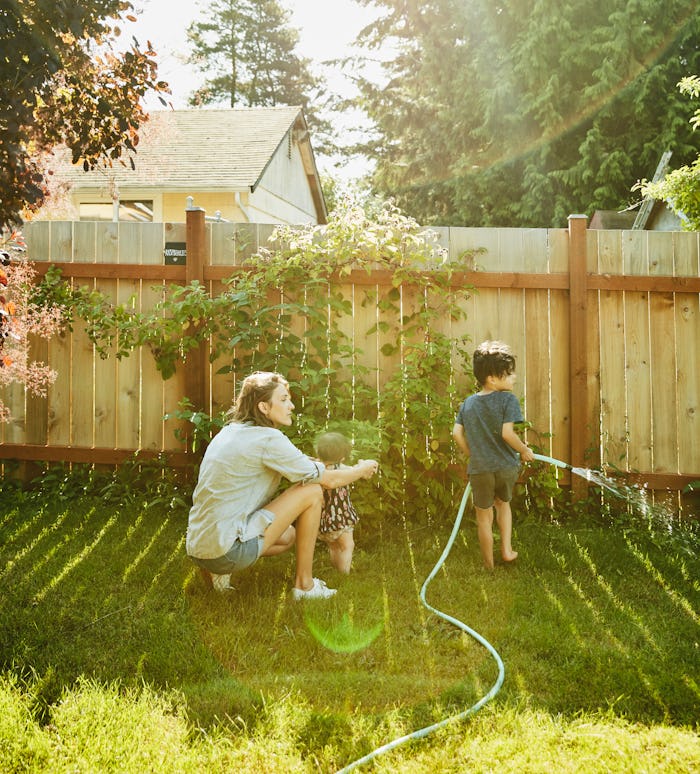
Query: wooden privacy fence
x=605 y=326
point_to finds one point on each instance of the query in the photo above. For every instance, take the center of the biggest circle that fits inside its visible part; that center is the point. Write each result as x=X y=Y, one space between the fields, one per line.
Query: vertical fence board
x=660 y=253
x=688 y=381
x=510 y=249
x=61 y=241
x=367 y=336
x=152 y=386
x=389 y=309
x=127 y=378
x=664 y=384
x=37 y=234
x=107 y=383
x=82 y=388
x=172 y=389
x=128 y=398
x=153 y=238
x=223 y=244
x=511 y=324
x=37 y=406
x=558 y=250
x=536 y=366
x=59 y=393
x=612 y=355
x=537 y=371
x=107 y=242
x=343 y=294
x=222 y=384
x=84 y=245
x=635 y=257
x=560 y=376
x=15 y=431
x=638 y=379
x=486 y=322
x=635 y=252
x=686 y=258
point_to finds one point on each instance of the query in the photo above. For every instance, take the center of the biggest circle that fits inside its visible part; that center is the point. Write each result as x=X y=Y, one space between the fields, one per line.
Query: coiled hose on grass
x=423 y=732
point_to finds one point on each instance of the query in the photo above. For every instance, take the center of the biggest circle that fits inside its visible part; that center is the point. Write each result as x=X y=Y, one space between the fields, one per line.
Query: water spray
x=589 y=475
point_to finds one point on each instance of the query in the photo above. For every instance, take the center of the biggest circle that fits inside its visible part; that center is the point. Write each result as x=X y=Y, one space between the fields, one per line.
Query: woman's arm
x=332 y=479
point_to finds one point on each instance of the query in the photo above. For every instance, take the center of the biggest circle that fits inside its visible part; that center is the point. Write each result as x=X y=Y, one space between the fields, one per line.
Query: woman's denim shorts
x=242 y=554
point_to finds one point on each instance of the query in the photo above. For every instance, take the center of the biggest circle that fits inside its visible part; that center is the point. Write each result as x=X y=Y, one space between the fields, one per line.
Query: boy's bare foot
x=511 y=557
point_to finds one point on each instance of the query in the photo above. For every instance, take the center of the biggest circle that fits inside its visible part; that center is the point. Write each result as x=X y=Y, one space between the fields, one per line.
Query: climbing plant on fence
x=285 y=311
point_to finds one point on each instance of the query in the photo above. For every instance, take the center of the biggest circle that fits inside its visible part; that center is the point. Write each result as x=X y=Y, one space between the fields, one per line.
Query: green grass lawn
x=115 y=658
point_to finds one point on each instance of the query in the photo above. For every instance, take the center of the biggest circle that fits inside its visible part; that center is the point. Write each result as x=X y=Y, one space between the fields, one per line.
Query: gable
x=220 y=150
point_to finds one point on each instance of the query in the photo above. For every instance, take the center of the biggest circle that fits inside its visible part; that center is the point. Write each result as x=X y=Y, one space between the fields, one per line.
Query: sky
x=327 y=29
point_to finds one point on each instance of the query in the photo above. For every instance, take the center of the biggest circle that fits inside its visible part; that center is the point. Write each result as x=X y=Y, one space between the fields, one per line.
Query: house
x=657 y=217
x=647 y=215
x=240 y=164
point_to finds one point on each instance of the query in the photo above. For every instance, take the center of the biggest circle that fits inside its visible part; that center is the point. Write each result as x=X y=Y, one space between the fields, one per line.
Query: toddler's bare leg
x=484 y=528
x=504 y=517
x=341 y=552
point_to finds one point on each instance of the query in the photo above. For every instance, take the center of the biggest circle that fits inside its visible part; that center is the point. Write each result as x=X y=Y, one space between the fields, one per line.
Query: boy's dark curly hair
x=492 y=358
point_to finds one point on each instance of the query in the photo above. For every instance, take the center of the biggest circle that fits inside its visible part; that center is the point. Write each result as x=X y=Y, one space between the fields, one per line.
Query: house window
x=140 y=210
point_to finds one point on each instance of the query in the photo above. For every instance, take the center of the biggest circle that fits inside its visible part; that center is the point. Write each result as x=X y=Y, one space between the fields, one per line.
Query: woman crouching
x=236 y=515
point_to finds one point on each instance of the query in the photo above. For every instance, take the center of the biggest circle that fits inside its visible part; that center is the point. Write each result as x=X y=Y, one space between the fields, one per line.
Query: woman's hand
x=369 y=468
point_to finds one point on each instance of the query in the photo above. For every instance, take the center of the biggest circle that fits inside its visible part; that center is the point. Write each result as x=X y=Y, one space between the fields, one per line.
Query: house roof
x=184 y=149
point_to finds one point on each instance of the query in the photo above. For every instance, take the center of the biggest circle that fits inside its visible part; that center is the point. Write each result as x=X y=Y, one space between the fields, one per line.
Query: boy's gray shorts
x=487 y=486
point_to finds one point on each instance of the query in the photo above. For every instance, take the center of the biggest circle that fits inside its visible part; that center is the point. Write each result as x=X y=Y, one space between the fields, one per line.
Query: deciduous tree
x=681 y=187
x=62 y=80
x=21 y=320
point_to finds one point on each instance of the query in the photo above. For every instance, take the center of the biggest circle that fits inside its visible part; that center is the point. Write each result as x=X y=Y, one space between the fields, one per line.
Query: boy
x=484 y=431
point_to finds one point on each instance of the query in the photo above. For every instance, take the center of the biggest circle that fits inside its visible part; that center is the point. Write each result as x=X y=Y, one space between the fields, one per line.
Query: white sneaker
x=318 y=591
x=221 y=582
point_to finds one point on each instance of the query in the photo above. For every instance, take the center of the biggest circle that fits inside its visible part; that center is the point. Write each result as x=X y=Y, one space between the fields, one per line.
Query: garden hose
x=552 y=461
x=501 y=671
x=423 y=732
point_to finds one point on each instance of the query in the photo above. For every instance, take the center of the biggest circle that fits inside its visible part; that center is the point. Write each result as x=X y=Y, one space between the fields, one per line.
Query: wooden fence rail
x=605 y=325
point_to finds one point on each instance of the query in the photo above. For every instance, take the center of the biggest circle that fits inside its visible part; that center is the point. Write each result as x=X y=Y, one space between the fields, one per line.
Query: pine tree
x=246 y=50
x=521 y=112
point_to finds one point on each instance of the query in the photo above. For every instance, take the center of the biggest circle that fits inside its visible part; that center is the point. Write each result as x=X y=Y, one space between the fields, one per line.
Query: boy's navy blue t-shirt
x=483 y=417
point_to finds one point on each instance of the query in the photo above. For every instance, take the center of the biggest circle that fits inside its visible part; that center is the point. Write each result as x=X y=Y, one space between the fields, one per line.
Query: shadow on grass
x=589 y=619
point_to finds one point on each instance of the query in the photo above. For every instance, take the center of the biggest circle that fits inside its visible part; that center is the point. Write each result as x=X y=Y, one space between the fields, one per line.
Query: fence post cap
x=190 y=205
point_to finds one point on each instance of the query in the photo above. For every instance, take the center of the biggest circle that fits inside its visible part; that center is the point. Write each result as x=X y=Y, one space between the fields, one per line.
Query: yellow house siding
x=174 y=205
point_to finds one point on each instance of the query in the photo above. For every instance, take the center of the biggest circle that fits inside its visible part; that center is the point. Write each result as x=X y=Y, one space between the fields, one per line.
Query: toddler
x=338 y=516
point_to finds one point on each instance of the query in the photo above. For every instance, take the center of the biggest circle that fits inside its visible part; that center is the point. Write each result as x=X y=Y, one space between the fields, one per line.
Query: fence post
x=578 y=347
x=196 y=361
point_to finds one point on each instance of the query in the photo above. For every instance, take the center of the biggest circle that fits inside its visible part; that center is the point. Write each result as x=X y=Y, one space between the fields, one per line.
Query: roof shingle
x=224 y=149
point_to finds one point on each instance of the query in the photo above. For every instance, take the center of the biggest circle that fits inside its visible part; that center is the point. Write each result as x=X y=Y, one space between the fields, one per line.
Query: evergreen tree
x=520 y=112
x=246 y=48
